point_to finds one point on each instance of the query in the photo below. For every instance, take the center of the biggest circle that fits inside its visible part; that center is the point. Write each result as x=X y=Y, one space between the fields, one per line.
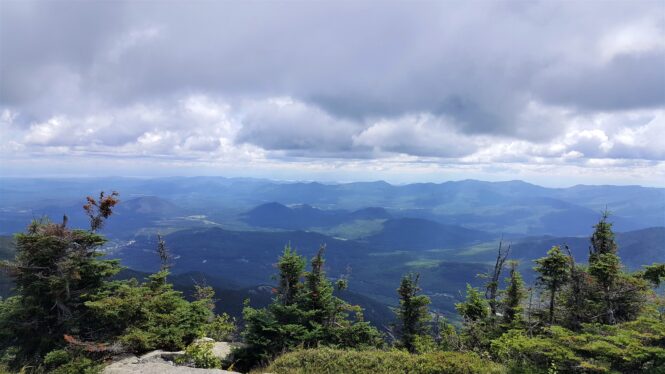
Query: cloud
x=627 y=81
x=446 y=82
x=418 y=135
x=285 y=124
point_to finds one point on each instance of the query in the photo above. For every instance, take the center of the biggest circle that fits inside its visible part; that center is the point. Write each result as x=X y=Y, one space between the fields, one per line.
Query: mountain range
x=230 y=231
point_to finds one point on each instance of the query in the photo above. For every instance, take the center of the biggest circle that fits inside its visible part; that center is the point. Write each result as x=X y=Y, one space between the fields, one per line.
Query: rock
x=157 y=362
x=159 y=356
x=222 y=350
x=159 y=368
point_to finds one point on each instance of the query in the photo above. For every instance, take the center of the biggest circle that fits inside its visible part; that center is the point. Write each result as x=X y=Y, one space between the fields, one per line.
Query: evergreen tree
x=413 y=313
x=318 y=298
x=578 y=296
x=55 y=268
x=474 y=308
x=654 y=273
x=605 y=265
x=554 y=270
x=304 y=313
x=514 y=295
x=602 y=239
x=291 y=269
x=479 y=328
x=150 y=315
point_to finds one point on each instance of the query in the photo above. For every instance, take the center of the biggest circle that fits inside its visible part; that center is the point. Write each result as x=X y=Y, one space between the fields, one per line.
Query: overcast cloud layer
x=542 y=91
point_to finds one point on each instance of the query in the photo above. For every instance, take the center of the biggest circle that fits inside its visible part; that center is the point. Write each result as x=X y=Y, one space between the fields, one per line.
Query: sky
x=555 y=93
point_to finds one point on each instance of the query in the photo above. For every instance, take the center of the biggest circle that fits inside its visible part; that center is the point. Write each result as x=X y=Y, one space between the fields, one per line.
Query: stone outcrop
x=162 y=362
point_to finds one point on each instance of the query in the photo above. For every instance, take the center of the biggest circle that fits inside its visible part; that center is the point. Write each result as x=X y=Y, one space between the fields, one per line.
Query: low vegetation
x=328 y=361
x=67 y=315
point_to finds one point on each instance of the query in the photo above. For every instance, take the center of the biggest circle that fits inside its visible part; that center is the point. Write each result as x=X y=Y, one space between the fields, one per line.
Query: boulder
x=158 y=362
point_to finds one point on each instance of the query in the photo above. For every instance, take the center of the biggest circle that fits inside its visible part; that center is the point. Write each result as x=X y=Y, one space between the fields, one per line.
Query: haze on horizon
x=554 y=93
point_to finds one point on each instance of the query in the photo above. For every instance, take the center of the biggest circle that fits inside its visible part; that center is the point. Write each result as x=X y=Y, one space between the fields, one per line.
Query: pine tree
x=304 y=313
x=514 y=295
x=605 y=265
x=318 y=298
x=478 y=327
x=149 y=315
x=654 y=273
x=554 y=270
x=291 y=269
x=474 y=308
x=413 y=313
x=55 y=268
x=578 y=296
x=322 y=308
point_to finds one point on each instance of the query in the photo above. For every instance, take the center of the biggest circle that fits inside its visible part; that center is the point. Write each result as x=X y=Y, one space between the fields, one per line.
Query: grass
x=332 y=361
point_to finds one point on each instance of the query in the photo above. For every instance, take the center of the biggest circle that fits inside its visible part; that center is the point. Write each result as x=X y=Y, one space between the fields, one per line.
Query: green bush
x=200 y=355
x=80 y=365
x=532 y=354
x=631 y=347
x=327 y=360
x=221 y=328
x=147 y=316
x=57 y=358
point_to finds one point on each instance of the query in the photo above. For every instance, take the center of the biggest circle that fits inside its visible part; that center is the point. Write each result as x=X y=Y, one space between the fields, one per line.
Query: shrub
x=57 y=358
x=221 y=328
x=631 y=347
x=147 y=316
x=200 y=355
x=532 y=354
x=80 y=365
x=327 y=360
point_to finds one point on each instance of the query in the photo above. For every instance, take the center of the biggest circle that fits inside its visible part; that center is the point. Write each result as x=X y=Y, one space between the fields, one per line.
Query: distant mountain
x=417 y=233
x=305 y=216
x=131 y=215
x=502 y=207
x=148 y=206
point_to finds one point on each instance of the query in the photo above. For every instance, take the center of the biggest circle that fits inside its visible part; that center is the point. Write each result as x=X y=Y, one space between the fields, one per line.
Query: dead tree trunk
x=492 y=286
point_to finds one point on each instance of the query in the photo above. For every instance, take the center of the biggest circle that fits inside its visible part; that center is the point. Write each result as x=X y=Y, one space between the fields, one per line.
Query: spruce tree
x=55 y=268
x=554 y=270
x=318 y=298
x=478 y=327
x=578 y=296
x=514 y=295
x=474 y=308
x=304 y=313
x=413 y=313
x=291 y=269
x=654 y=273
x=605 y=265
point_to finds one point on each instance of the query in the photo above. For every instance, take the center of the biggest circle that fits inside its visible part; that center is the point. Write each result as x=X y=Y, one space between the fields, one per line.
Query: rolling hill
x=304 y=216
x=419 y=234
x=501 y=207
